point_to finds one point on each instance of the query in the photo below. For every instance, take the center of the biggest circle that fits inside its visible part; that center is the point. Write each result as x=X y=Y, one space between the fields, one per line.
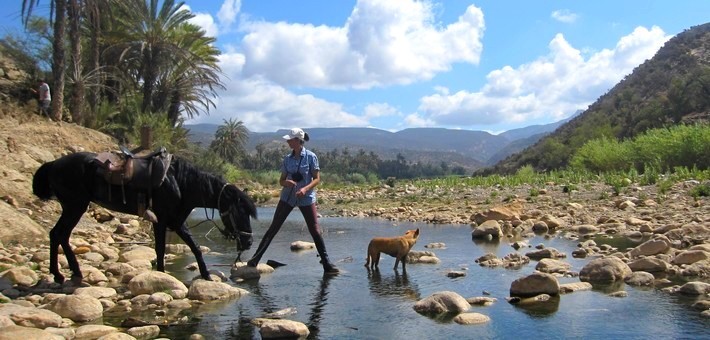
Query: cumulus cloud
x=565 y=16
x=228 y=12
x=207 y=23
x=383 y=42
x=551 y=87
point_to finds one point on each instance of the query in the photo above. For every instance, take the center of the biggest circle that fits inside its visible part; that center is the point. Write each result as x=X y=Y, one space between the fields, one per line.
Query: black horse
x=75 y=181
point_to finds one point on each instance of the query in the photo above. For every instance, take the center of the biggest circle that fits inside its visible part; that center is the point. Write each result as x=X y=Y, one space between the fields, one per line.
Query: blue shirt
x=305 y=164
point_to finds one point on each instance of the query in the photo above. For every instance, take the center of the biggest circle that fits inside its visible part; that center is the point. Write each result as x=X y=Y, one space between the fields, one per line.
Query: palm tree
x=230 y=140
x=58 y=11
x=188 y=86
x=144 y=40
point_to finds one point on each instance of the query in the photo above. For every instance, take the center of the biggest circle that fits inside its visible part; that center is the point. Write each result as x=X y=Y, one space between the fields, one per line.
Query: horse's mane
x=188 y=174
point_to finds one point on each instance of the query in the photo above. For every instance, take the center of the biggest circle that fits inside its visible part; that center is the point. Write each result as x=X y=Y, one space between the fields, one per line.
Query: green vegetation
x=653 y=151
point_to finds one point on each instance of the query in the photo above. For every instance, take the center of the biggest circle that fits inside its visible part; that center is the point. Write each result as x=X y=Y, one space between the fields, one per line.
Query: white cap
x=296 y=133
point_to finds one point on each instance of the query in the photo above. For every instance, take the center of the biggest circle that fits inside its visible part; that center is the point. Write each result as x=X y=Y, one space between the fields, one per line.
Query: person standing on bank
x=300 y=174
x=45 y=97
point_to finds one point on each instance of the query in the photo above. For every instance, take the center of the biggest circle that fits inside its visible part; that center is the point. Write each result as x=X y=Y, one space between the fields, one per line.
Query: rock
x=137 y=253
x=516 y=300
x=695 y=288
x=649 y=264
x=78 y=308
x=19 y=332
x=87 y=332
x=30 y=316
x=640 y=279
x=153 y=281
x=442 y=302
x=605 y=270
x=96 y=292
x=574 y=287
x=481 y=301
x=553 y=266
x=144 y=332
x=455 y=274
x=659 y=245
x=280 y=328
x=159 y=299
x=550 y=253
x=436 y=245
x=552 y=222
x=210 y=290
x=302 y=245
x=116 y=336
x=471 y=319
x=240 y=270
x=535 y=284
x=691 y=256
x=21 y=275
x=490 y=228
x=508 y=212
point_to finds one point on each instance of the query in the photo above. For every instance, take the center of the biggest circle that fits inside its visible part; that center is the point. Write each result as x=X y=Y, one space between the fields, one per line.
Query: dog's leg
x=376 y=260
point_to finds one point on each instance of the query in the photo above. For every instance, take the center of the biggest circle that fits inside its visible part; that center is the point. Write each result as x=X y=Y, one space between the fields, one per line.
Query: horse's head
x=236 y=208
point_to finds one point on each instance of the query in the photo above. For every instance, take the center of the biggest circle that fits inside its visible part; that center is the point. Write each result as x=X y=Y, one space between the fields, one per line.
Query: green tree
x=230 y=140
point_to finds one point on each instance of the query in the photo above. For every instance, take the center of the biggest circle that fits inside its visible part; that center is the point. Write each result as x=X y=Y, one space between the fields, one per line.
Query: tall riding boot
x=260 y=250
x=328 y=267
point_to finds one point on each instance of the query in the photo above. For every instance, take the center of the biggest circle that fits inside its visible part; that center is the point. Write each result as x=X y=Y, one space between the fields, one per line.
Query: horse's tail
x=40 y=182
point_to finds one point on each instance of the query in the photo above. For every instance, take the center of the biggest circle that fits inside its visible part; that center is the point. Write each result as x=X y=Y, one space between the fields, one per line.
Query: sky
x=395 y=64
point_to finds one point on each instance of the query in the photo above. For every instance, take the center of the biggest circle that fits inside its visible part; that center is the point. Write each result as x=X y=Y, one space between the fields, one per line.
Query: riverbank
x=115 y=250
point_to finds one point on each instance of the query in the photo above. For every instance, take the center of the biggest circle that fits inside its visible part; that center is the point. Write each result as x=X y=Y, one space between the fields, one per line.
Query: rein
x=222 y=216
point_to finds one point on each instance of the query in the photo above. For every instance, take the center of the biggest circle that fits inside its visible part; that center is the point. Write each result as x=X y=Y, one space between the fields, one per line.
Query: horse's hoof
x=76 y=280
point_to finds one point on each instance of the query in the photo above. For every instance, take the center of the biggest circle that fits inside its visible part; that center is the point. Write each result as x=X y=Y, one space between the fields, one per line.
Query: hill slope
x=671 y=88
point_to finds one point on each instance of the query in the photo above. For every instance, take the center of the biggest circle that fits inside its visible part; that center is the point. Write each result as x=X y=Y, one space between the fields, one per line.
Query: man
x=45 y=97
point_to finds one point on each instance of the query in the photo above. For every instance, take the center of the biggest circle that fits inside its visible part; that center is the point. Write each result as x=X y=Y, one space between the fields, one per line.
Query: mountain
x=671 y=88
x=466 y=148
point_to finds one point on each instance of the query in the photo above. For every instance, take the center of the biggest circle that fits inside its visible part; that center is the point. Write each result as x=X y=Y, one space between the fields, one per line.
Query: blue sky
x=395 y=64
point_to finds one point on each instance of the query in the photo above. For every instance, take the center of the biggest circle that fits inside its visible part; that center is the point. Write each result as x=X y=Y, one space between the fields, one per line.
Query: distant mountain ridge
x=467 y=148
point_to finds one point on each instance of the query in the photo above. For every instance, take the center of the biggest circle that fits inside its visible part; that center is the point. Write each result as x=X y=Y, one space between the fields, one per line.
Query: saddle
x=143 y=173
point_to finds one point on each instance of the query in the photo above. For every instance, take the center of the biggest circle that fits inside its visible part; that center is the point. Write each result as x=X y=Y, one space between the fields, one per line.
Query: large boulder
x=442 y=302
x=210 y=290
x=279 y=329
x=553 y=266
x=535 y=284
x=19 y=332
x=21 y=275
x=490 y=228
x=658 y=245
x=649 y=264
x=691 y=256
x=137 y=253
x=30 y=316
x=152 y=282
x=605 y=270
x=78 y=308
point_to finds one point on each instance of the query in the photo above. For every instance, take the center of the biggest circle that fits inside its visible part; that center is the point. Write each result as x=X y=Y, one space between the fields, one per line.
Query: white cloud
x=228 y=12
x=565 y=16
x=380 y=110
x=551 y=87
x=207 y=23
x=265 y=106
x=383 y=42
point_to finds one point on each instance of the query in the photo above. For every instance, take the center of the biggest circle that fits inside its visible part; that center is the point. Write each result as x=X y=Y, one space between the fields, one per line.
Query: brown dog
x=398 y=247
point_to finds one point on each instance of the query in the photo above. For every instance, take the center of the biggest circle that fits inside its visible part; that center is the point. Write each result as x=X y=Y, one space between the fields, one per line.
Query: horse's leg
x=159 y=233
x=59 y=235
x=186 y=237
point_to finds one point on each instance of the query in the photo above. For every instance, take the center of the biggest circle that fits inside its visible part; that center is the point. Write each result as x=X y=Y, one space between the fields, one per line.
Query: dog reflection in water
x=398 y=247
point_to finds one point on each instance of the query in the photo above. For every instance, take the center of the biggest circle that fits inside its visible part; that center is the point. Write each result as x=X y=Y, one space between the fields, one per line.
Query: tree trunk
x=77 y=96
x=58 y=59
x=93 y=13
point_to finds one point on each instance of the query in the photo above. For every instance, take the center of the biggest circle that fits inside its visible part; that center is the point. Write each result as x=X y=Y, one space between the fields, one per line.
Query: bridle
x=230 y=216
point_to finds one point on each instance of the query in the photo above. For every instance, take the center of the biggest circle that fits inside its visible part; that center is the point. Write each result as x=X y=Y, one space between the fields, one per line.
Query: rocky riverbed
x=116 y=254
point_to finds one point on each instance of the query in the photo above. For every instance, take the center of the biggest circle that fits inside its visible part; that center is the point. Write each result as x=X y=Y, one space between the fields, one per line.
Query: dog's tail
x=367 y=261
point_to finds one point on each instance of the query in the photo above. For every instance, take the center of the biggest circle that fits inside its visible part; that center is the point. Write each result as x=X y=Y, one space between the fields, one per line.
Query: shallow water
x=358 y=304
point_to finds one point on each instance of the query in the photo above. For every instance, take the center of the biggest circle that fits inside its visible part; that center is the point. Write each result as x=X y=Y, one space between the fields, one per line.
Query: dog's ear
x=416 y=233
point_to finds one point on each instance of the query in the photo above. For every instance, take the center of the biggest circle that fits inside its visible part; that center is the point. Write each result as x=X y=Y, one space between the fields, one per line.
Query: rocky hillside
x=671 y=88
x=27 y=141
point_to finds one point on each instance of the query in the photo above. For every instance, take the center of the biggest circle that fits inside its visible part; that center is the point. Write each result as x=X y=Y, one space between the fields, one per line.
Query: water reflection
x=540 y=309
x=320 y=300
x=396 y=285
